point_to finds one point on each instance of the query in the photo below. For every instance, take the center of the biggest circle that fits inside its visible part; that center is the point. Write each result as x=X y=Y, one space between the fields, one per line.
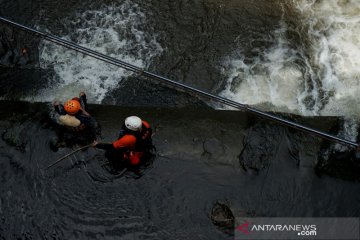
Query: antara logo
x=244 y=228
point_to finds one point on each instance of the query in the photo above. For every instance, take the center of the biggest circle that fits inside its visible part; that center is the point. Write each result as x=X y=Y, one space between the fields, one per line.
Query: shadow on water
x=118 y=169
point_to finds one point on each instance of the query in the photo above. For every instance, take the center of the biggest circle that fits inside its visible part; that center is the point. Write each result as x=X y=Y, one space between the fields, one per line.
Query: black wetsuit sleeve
x=83 y=102
x=84 y=119
x=60 y=109
x=105 y=146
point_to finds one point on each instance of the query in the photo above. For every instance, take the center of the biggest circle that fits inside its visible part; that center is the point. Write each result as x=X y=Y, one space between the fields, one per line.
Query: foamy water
x=114 y=31
x=338 y=54
x=272 y=77
x=318 y=75
x=327 y=82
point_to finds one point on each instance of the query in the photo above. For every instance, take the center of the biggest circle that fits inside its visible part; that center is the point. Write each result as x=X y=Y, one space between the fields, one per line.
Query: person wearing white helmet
x=133 y=123
x=133 y=143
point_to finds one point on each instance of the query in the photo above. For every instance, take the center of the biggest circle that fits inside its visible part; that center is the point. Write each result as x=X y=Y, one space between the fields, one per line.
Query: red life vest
x=143 y=140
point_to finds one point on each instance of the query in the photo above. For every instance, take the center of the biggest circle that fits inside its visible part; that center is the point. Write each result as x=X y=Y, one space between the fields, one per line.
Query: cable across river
x=130 y=67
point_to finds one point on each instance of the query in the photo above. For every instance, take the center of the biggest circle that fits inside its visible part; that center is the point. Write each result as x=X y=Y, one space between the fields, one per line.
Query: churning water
x=115 y=31
x=316 y=74
x=309 y=65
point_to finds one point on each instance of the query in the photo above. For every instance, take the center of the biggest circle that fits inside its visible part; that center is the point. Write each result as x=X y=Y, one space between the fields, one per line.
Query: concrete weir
x=187 y=133
x=199 y=134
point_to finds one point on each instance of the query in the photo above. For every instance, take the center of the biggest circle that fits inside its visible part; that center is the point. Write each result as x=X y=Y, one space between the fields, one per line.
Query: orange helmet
x=72 y=106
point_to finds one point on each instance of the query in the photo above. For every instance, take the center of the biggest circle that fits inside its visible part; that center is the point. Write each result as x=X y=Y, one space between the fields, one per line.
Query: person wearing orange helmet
x=73 y=114
x=78 y=123
x=133 y=145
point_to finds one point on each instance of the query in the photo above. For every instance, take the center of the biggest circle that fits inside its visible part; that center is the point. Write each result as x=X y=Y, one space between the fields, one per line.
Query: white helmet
x=133 y=123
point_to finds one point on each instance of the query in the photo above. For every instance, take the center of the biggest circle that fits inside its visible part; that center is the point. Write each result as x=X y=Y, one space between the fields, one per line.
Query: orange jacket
x=133 y=150
x=129 y=141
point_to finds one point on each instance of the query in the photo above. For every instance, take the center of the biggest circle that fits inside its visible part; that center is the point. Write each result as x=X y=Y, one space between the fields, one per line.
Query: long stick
x=67 y=155
x=150 y=75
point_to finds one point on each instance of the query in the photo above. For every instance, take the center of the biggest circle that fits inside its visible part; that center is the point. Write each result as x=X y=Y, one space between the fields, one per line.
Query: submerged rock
x=15 y=136
x=223 y=217
x=339 y=164
x=213 y=148
x=18 y=48
x=260 y=145
x=336 y=160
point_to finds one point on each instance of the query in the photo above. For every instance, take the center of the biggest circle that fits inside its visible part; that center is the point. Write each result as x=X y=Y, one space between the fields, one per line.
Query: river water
x=293 y=56
x=296 y=56
x=196 y=166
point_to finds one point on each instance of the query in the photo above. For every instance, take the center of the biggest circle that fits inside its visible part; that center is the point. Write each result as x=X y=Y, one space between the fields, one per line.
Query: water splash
x=271 y=80
x=335 y=30
x=115 y=31
x=318 y=75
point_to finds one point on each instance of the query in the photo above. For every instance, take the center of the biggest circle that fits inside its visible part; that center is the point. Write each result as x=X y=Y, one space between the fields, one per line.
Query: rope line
x=141 y=71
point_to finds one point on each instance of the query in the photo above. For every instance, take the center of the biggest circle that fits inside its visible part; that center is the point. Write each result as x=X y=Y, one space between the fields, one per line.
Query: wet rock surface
x=213 y=148
x=14 y=136
x=337 y=160
x=21 y=83
x=223 y=217
x=17 y=48
x=339 y=164
x=140 y=91
x=260 y=145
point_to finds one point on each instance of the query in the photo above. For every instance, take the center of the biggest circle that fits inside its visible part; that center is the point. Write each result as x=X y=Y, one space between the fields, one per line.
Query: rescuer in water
x=77 y=126
x=133 y=146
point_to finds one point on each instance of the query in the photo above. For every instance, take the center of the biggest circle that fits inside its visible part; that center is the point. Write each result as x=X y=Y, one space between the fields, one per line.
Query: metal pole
x=133 y=68
x=67 y=155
